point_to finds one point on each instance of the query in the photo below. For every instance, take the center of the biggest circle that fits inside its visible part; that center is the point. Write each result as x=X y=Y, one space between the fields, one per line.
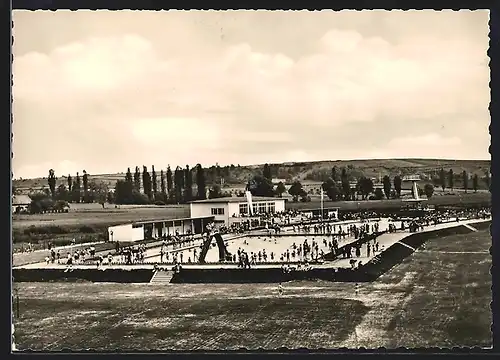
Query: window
x=243 y=209
x=271 y=207
x=262 y=208
x=217 y=211
x=254 y=208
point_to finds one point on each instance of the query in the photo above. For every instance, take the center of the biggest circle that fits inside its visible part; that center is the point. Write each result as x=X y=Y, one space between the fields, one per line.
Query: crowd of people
x=78 y=256
x=185 y=249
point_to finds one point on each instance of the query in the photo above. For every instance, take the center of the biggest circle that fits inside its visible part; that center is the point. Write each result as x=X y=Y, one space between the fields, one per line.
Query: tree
x=123 y=192
x=267 y=172
x=280 y=189
x=40 y=202
x=214 y=192
x=346 y=186
x=179 y=184
x=137 y=179
x=450 y=179
x=62 y=193
x=70 y=183
x=442 y=178
x=128 y=176
x=200 y=182
x=52 y=182
x=163 y=188
x=428 y=190
x=397 y=185
x=188 y=184
x=387 y=186
x=260 y=186
x=334 y=173
x=146 y=183
x=465 y=180
x=365 y=186
x=76 y=189
x=85 y=186
x=487 y=180
x=296 y=190
x=99 y=191
x=475 y=182
x=154 y=182
x=170 y=183
x=331 y=189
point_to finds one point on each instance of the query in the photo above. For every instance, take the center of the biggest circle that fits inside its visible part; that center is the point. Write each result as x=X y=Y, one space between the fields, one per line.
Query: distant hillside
x=302 y=171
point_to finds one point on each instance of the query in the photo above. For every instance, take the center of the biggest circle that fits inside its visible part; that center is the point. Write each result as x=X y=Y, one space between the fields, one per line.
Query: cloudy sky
x=105 y=90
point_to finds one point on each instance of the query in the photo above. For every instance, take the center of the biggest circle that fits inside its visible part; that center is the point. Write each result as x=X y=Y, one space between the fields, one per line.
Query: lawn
x=436 y=297
x=101 y=217
x=460 y=199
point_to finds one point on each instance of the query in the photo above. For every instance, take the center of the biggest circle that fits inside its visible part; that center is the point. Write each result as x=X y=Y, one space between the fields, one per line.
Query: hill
x=236 y=175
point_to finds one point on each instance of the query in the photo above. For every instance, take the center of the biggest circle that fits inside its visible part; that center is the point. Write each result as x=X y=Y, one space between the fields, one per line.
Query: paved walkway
x=389 y=239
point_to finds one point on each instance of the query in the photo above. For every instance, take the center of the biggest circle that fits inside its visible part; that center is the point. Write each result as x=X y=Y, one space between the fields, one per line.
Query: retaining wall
x=93 y=275
x=396 y=253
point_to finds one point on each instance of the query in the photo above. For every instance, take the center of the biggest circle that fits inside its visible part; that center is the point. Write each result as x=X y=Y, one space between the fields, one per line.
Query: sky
x=107 y=90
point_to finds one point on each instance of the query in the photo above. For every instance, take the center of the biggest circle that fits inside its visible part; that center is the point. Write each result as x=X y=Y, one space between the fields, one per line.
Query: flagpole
x=321 y=206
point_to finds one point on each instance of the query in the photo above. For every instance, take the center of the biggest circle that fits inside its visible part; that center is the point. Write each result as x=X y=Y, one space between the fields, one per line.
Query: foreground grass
x=161 y=320
x=434 y=298
x=453 y=294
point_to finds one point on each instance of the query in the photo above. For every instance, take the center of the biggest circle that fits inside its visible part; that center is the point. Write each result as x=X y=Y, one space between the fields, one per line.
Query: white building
x=20 y=203
x=156 y=229
x=226 y=209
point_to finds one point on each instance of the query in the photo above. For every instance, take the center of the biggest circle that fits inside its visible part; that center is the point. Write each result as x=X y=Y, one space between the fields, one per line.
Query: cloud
x=207 y=104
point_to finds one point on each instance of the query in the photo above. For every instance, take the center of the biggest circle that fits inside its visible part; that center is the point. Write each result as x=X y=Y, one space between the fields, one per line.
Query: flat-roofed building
x=157 y=229
x=226 y=209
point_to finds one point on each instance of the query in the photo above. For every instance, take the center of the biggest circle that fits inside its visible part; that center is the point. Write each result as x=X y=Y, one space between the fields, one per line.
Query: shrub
x=87 y=229
x=45 y=230
x=379 y=195
x=159 y=203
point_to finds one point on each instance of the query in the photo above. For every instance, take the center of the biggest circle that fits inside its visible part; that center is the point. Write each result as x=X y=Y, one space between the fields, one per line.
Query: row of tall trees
x=176 y=186
x=447 y=180
x=166 y=187
x=77 y=189
x=338 y=186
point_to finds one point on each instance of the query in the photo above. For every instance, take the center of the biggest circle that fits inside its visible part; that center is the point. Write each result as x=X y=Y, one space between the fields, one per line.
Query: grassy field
x=461 y=199
x=101 y=217
x=438 y=297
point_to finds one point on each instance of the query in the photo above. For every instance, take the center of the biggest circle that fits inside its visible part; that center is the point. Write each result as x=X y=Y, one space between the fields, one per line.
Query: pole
x=321 y=206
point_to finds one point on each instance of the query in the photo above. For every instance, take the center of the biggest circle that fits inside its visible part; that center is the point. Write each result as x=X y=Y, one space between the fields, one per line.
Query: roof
x=319 y=209
x=165 y=220
x=232 y=199
x=21 y=200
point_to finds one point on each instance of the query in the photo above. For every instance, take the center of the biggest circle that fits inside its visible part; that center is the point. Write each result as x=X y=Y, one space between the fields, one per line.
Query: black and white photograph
x=244 y=180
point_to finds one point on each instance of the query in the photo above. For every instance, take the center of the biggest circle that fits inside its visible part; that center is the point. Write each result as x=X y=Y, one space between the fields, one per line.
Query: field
x=96 y=216
x=440 y=297
x=460 y=199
